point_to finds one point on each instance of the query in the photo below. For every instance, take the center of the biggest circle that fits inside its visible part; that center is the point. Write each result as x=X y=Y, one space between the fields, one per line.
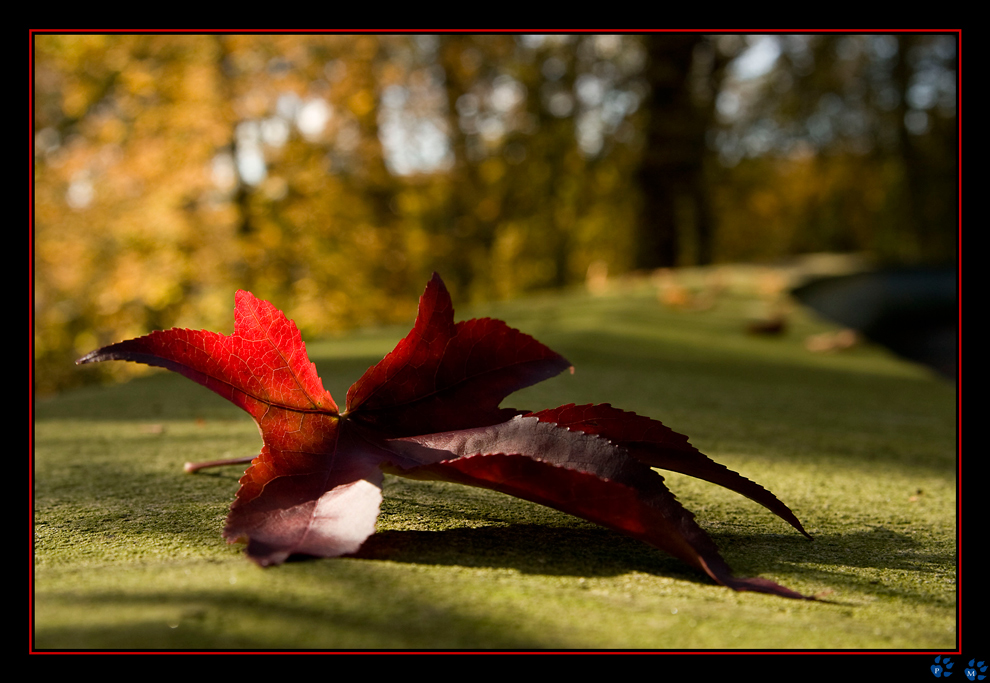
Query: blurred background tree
x=333 y=173
x=843 y=143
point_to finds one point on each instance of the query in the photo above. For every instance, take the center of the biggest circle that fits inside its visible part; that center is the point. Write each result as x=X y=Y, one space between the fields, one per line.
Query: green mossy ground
x=861 y=445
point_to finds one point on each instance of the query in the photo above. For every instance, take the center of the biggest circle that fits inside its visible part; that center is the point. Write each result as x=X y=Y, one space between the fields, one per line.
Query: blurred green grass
x=859 y=444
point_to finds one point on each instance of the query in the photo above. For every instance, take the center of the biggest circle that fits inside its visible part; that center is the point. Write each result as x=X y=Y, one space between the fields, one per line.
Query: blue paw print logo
x=976 y=670
x=941 y=667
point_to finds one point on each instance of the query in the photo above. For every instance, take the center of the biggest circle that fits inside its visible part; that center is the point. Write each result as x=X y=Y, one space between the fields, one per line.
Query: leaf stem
x=192 y=467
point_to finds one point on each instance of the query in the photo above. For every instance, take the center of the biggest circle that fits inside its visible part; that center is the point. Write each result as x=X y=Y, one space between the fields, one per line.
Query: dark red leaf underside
x=656 y=519
x=656 y=445
x=578 y=473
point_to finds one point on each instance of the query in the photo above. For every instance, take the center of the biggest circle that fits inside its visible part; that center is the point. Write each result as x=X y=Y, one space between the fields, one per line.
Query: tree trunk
x=670 y=175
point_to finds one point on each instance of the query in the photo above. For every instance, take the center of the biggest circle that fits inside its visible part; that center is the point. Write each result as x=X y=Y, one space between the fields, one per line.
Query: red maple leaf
x=430 y=410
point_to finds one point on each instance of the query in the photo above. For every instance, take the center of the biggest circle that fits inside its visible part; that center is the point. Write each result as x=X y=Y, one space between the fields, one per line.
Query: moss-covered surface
x=859 y=444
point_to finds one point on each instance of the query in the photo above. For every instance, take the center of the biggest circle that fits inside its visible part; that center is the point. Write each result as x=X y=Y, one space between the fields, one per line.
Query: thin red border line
x=956 y=32
x=959 y=496
x=31 y=342
x=959 y=321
